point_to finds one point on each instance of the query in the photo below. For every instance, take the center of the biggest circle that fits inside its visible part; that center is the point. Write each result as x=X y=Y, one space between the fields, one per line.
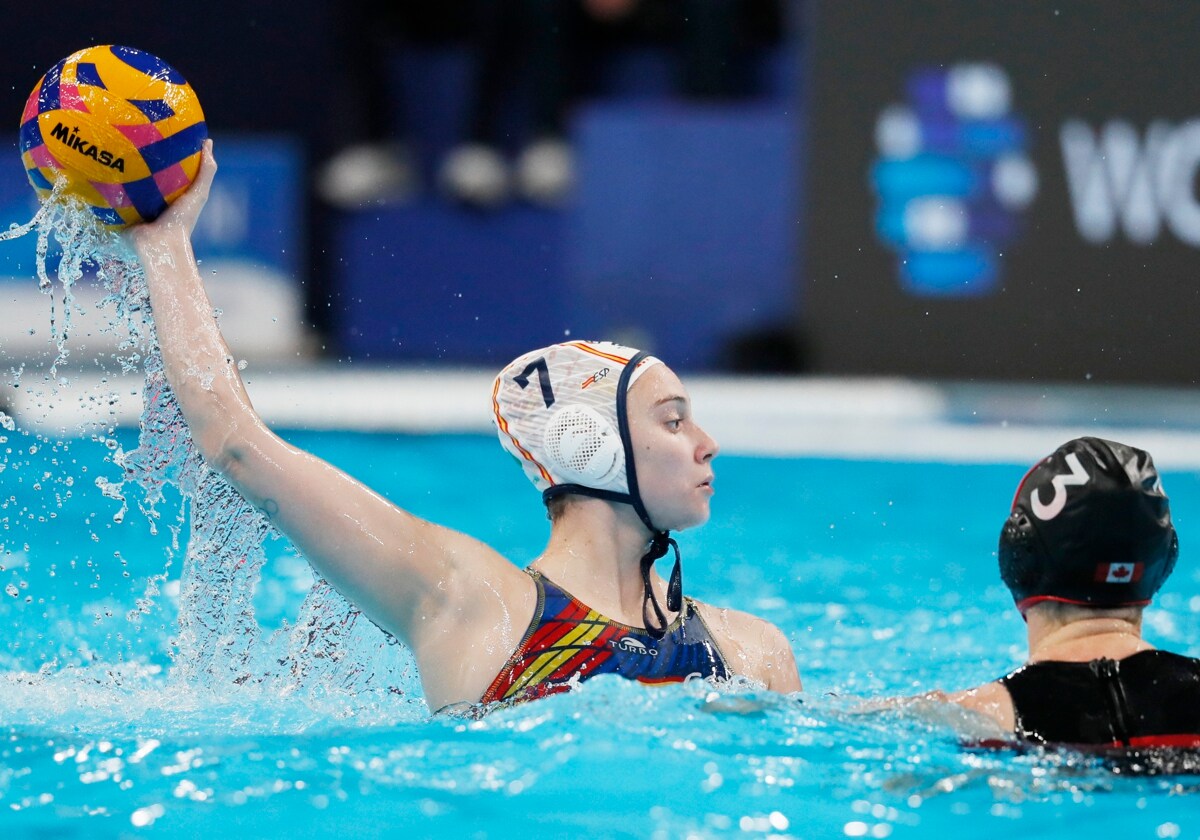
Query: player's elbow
x=222 y=423
x=228 y=443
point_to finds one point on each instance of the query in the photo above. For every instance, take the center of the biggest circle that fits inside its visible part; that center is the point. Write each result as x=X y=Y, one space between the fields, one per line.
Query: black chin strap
x=661 y=539
x=658 y=548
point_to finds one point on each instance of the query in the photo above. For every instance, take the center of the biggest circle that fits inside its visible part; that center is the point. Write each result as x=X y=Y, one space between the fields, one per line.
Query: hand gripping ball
x=122 y=127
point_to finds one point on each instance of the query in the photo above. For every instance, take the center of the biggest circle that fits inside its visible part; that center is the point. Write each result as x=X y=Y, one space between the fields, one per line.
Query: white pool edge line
x=877 y=419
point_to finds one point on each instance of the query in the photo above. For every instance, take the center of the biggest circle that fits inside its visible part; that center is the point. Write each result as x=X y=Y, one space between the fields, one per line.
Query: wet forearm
x=196 y=359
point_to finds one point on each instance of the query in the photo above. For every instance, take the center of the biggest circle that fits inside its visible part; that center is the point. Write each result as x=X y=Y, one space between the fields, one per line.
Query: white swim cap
x=559 y=412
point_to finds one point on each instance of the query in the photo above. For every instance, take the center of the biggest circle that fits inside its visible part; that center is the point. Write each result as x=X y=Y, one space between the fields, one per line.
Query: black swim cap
x=1090 y=525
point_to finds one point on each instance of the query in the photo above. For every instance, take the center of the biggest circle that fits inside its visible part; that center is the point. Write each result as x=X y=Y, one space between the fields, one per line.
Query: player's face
x=672 y=454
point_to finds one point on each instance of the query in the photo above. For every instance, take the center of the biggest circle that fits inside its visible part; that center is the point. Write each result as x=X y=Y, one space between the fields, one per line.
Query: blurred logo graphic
x=952 y=177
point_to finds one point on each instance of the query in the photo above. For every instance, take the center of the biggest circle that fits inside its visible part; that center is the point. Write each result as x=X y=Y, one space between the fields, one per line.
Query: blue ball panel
x=87 y=74
x=148 y=64
x=146 y=197
x=167 y=152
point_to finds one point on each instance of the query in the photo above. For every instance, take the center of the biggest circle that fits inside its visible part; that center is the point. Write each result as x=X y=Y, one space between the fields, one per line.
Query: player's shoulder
x=738 y=623
x=754 y=646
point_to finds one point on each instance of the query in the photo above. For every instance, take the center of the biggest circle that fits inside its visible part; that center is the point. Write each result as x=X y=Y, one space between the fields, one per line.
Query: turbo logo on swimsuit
x=72 y=140
x=632 y=645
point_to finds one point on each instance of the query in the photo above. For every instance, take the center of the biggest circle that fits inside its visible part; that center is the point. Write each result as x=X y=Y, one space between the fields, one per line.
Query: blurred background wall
x=931 y=188
x=1004 y=190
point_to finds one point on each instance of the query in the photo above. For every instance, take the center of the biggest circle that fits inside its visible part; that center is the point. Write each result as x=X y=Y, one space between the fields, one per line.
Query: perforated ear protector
x=582 y=446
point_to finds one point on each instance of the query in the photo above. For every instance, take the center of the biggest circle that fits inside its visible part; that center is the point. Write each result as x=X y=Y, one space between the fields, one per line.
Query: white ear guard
x=583 y=447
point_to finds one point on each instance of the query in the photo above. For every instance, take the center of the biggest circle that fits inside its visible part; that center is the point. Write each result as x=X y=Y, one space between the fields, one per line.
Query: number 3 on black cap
x=1060 y=483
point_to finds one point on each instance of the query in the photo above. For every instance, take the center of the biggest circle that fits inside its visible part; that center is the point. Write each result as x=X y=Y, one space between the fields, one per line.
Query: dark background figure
x=366 y=156
x=361 y=144
x=537 y=58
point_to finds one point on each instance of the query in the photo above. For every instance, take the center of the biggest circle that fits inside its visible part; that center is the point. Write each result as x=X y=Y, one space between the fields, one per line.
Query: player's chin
x=695 y=516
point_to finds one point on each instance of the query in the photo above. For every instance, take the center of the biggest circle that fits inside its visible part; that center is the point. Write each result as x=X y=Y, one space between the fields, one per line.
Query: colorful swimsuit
x=568 y=642
x=1149 y=699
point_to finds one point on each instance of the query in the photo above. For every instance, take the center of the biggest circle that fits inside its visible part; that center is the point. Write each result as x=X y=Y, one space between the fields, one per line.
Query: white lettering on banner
x=1183 y=209
x=1117 y=177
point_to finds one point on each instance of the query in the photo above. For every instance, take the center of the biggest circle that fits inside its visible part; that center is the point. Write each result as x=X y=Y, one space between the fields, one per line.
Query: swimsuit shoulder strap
x=535 y=621
x=690 y=618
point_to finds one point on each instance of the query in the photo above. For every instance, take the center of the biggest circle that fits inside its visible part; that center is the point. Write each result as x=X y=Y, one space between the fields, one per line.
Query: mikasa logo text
x=73 y=141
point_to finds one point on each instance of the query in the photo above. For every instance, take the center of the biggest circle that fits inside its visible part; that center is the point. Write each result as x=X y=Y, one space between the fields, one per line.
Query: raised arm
x=410 y=576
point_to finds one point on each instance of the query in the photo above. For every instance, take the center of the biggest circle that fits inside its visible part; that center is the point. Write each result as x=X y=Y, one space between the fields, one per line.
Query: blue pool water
x=881 y=574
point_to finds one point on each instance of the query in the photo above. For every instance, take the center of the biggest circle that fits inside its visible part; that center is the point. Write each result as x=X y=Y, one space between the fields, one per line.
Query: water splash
x=331 y=657
x=82 y=240
x=338 y=660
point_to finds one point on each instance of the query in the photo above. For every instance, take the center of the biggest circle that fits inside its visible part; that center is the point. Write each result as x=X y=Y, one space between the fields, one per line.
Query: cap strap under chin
x=661 y=539
x=656 y=623
x=658 y=547
x=580 y=490
x=635 y=496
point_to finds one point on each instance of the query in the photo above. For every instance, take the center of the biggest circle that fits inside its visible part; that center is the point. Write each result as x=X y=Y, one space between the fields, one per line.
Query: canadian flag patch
x=1118 y=572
